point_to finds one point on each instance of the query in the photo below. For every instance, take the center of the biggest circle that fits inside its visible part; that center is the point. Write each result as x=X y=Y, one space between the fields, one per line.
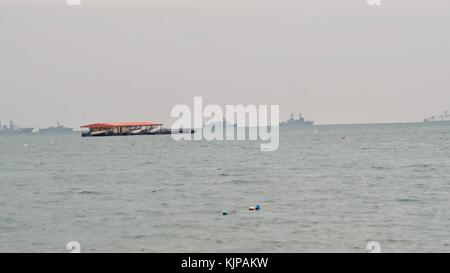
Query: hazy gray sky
x=334 y=61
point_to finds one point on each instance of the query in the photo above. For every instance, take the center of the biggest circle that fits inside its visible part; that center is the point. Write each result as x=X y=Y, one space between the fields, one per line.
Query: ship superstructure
x=300 y=122
x=12 y=128
x=439 y=118
x=56 y=129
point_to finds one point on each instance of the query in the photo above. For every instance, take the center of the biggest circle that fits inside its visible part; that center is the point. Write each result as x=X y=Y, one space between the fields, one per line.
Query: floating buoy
x=257 y=207
x=224 y=212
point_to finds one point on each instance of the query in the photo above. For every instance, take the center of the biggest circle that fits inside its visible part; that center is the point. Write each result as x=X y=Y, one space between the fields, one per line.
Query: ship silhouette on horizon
x=56 y=129
x=300 y=122
x=439 y=118
x=12 y=128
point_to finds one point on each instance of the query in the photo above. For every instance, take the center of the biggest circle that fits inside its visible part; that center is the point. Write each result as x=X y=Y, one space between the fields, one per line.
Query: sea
x=328 y=188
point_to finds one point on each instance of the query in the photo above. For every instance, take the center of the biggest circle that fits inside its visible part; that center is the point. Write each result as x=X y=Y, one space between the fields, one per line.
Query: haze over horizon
x=332 y=61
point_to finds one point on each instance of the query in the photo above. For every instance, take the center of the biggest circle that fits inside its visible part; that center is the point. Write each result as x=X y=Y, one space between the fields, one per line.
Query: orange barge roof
x=120 y=124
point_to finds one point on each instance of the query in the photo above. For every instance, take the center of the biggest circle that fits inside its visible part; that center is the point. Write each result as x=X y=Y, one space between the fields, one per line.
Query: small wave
x=381 y=168
x=88 y=192
x=419 y=165
x=145 y=163
x=239 y=181
x=428 y=170
x=246 y=148
x=407 y=200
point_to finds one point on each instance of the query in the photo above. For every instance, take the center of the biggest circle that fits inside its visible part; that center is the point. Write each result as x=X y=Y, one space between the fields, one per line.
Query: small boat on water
x=99 y=133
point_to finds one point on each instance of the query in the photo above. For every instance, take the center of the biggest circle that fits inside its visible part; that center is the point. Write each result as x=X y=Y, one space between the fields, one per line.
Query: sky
x=133 y=60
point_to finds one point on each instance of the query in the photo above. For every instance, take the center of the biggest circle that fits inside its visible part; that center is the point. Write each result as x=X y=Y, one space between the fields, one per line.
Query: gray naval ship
x=300 y=122
x=13 y=129
x=439 y=118
x=56 y=129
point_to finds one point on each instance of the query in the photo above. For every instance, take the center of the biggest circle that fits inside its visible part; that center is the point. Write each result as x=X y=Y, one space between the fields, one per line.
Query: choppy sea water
x=319 y=192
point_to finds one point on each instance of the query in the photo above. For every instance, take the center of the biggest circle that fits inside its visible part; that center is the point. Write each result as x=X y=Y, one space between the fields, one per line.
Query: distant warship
x=300 y=122
x=441 y=118
x=13 y=129
x=58 y=129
